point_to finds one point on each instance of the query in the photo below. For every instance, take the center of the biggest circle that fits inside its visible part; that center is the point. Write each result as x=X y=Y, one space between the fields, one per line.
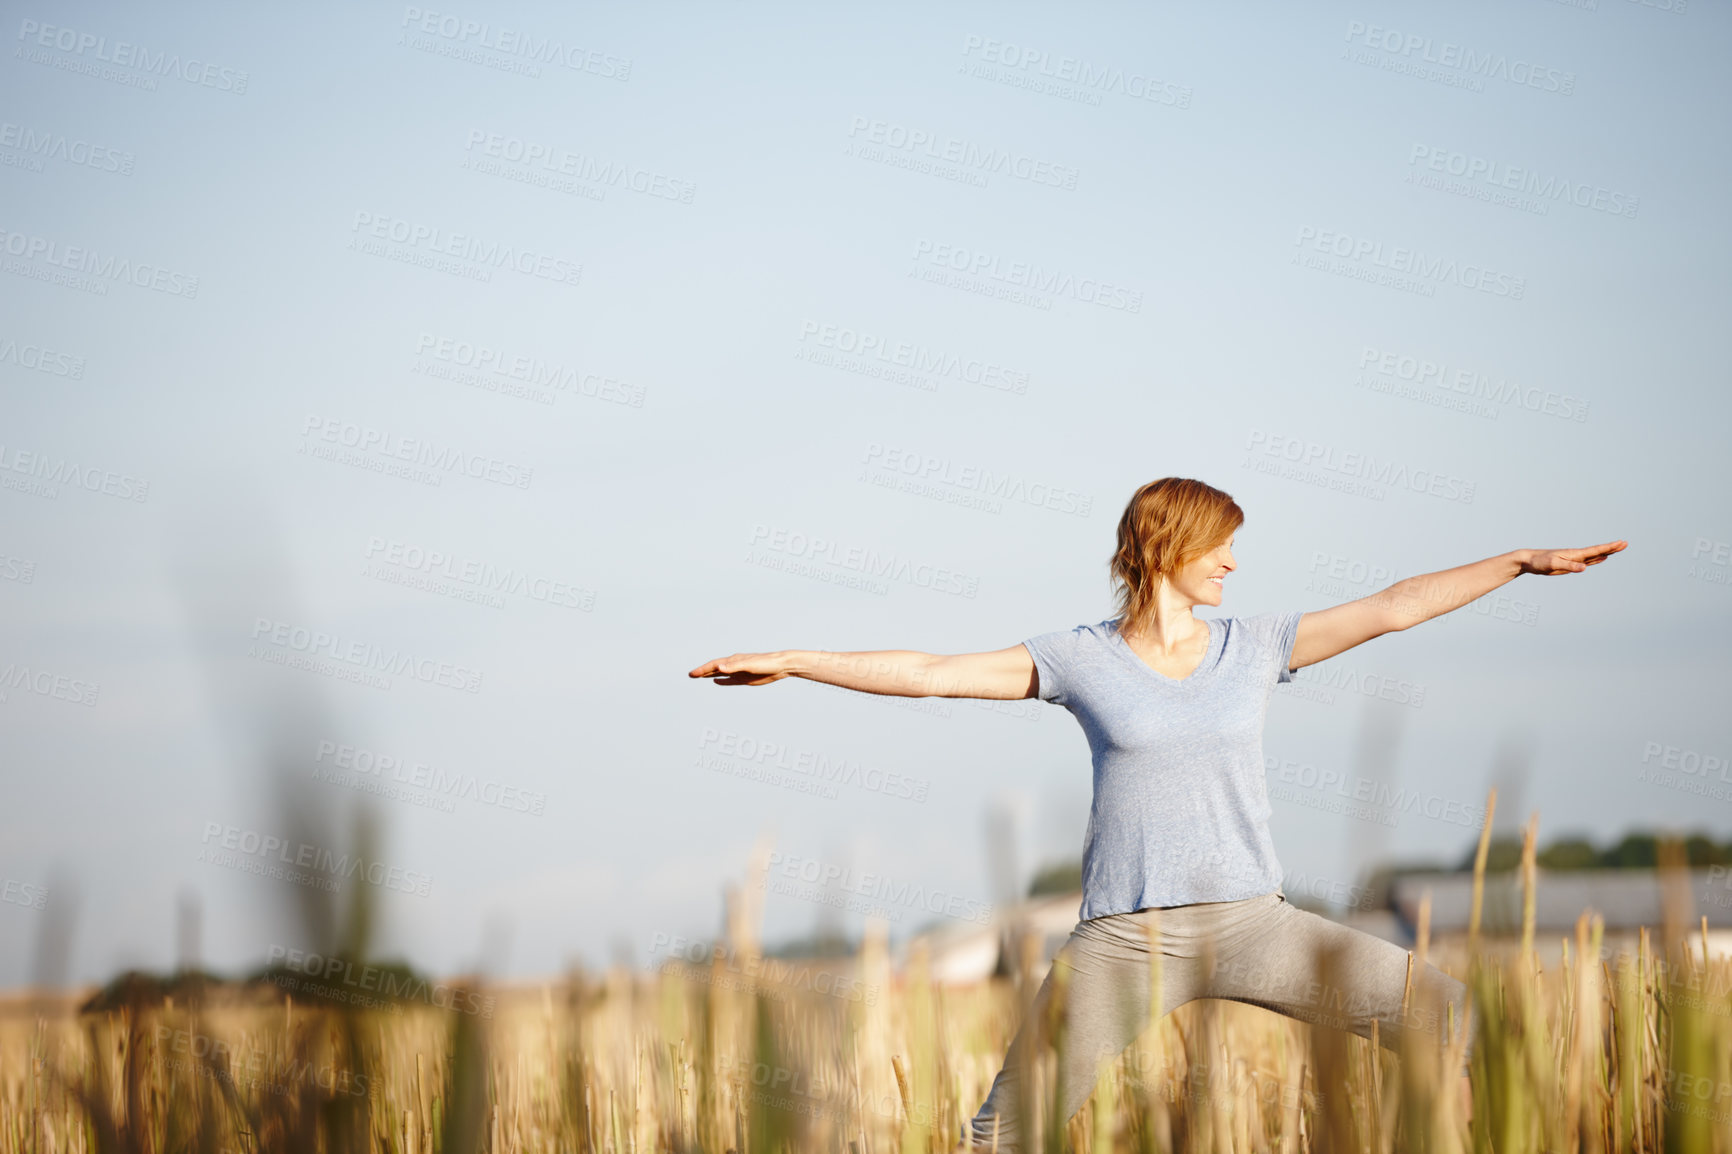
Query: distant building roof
x=962 y=952
x=1625 y=899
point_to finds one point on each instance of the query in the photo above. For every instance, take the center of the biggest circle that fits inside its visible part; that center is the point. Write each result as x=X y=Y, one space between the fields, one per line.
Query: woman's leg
x=1279 y=968
x=1106 y=1000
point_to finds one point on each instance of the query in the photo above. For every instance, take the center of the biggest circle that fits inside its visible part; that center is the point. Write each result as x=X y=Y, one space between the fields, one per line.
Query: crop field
x=1605 y=1051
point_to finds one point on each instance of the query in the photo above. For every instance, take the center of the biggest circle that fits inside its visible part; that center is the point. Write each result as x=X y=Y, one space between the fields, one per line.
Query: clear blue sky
x=939 y=287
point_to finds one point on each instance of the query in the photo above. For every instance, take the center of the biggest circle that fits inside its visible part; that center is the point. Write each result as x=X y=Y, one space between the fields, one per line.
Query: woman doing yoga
x=1173 y=707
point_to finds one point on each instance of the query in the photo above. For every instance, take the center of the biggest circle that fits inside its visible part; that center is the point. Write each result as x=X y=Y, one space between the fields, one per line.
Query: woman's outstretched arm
x=1004 y=674
x=1406 y=603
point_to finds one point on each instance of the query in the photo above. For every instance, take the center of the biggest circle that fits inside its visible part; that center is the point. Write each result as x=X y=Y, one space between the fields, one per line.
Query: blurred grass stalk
x=1603 y=1054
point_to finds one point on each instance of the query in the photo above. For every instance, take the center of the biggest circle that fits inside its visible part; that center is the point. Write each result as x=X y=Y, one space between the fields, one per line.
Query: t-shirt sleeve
x=1284 y=630
x=1268 y=640
x=1053 y=655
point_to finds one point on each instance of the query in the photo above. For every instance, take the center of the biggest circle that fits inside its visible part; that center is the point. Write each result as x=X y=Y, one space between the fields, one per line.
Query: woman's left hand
x=1551 y=562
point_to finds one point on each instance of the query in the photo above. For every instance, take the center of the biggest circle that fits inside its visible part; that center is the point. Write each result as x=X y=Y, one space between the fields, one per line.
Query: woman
x=1173 y=707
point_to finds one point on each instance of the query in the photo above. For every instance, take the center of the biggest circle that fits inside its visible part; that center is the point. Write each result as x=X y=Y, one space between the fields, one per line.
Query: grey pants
x=1264 y=951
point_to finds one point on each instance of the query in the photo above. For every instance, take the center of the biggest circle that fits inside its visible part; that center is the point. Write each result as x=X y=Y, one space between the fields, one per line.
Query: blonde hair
x=1168 y=524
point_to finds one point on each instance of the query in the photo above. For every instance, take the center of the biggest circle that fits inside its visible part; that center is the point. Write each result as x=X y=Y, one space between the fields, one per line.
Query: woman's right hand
x=745 y=669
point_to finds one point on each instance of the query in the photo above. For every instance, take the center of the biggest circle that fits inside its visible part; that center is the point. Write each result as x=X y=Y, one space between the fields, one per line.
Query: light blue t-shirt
x=1181 y=806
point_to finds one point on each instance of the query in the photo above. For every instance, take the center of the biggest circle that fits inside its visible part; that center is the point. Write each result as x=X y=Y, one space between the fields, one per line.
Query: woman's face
x=1200 y=582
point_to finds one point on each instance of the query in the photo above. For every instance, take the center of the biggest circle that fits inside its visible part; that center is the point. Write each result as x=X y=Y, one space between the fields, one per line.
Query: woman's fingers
x=1554 y=561
x=750 y=678
x=745 y=675
x=716 y=668
x=1594 y=554
x=740 y=669
x=732 y=663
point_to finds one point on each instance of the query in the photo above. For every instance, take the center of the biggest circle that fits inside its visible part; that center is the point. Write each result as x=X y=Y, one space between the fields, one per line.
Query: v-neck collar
x=1204 y=667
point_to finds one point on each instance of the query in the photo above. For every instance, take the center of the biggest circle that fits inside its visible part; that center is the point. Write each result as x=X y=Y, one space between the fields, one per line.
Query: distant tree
x=1570 y=853
x=828 y=944
x=1701 y=851
x=141 y=987
x=1504 y=853
x=1635 y=851
x=1058 y=878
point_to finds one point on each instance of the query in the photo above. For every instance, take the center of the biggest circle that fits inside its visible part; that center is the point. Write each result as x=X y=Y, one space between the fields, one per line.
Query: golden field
x=737 y=1053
